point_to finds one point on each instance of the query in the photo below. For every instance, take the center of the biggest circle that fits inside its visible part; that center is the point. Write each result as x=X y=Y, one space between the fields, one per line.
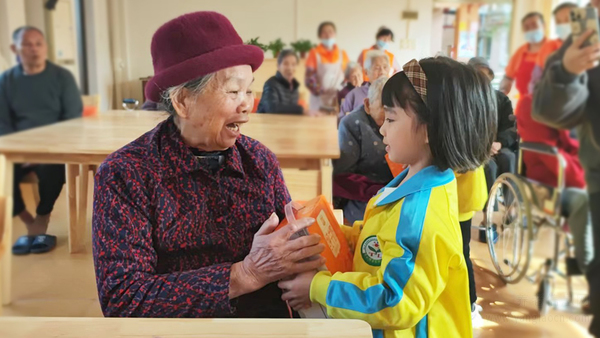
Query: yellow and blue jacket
x=410 y=277
x=472 y=193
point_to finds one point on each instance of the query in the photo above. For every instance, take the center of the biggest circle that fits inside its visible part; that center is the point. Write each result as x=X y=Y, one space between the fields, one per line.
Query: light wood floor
x=62 y=285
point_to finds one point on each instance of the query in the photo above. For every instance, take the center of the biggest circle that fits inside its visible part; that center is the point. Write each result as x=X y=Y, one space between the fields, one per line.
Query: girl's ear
x=426 y=136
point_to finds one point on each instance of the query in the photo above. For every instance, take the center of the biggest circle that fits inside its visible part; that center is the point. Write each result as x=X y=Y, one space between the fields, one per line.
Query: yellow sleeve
x=351 y=233
x=413 y=273
x=472 y=193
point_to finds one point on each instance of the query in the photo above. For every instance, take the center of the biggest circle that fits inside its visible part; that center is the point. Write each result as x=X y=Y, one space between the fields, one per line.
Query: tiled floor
x=60 y=284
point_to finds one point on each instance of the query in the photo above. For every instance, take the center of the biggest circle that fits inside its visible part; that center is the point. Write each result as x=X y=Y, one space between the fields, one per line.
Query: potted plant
x=302 y=47
x=276 y=47
x=254 y=42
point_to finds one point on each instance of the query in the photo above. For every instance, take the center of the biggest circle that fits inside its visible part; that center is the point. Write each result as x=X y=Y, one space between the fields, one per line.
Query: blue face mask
x=383 y=45
x=328 y=42
x=563 y=31
x=534 y=36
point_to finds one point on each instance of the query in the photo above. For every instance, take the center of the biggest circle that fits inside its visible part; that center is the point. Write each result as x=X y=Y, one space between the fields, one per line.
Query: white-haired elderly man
x=361 y=170
x=377 y=64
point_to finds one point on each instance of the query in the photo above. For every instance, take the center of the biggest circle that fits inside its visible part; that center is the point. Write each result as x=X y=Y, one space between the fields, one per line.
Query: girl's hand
x=296 y=291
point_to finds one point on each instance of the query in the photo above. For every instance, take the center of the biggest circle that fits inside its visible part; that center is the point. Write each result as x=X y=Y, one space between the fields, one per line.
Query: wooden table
x=30 y=327
x=304 y=146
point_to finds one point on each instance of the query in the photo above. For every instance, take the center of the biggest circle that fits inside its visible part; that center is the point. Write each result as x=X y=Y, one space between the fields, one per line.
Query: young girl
x=410 y=277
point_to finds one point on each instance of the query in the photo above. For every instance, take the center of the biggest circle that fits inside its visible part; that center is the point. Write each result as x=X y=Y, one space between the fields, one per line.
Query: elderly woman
x=184 y=216
x=377 y=64
x=354 y=78
x=280 y=92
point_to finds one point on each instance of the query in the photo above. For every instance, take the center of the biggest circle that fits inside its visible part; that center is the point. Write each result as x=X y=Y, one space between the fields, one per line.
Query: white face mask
x=328 y=43
x=534 y=36
x=563 y=31
x=383 y=45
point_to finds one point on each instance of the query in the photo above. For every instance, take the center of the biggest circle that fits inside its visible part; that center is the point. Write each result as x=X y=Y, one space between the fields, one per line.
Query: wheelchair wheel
x=544 y=294
x=509 y=227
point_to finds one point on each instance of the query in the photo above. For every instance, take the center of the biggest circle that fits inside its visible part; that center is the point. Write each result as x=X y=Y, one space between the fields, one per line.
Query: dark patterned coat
x=167 y=227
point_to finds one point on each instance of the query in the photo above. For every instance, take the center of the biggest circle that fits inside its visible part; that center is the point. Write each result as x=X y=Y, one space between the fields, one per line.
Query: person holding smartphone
x=568 y=96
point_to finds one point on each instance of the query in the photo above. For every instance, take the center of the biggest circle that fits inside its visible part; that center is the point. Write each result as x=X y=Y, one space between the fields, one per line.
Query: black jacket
x=507 y=131
x=279 y=98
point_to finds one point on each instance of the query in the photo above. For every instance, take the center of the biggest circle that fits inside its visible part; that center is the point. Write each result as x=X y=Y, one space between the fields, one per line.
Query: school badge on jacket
x=371 y=251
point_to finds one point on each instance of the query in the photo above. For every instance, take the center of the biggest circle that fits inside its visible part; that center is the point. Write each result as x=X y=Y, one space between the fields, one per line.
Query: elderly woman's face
x=380 y=67
x=356 y=76
x=211 y=120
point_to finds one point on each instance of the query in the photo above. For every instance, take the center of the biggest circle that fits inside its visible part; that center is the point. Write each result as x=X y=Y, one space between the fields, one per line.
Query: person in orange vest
x=562 y=18
x=521 y=64
x=384 y=36
x=325 y=67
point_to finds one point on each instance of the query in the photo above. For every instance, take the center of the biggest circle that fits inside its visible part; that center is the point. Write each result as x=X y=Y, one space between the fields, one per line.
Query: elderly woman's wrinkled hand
x=274 y=256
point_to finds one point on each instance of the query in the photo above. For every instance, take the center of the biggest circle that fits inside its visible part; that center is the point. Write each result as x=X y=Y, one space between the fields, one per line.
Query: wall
x=12 y=16
x=34 y=14
x=134 y=22
x=99 y=58
x=437 y=32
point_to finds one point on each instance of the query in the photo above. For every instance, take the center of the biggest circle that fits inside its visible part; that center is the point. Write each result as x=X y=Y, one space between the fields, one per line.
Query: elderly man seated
x=361 y=169
x=36 y=93
x=377 y=64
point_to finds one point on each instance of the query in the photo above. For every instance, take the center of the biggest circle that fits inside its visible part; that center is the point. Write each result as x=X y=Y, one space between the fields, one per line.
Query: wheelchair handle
x=539 y=148
x=547 y=150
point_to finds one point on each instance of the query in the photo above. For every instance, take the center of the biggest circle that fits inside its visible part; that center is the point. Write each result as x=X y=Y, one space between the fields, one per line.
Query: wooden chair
x=30 y=181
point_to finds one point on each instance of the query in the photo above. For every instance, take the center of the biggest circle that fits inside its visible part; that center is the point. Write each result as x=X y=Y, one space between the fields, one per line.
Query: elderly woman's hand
x=274 y=256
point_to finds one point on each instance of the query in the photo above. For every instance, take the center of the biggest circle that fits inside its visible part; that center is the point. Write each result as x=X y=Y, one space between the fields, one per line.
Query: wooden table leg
x=74 y=233
x=84 y=175
x=6 y=194
x=327 y=179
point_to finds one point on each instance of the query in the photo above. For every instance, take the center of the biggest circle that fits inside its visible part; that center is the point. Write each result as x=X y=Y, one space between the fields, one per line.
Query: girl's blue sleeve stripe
x=345 y=295
x=422 y=330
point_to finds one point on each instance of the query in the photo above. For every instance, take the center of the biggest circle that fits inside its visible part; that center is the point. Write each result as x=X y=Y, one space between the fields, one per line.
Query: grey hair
x=18 y=33
x=350 y=67
x=195 y=86
x=372 y=55
x=375 y=89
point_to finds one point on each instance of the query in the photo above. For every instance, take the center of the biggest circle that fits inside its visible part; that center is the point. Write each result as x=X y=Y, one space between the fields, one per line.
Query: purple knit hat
x=194 y=45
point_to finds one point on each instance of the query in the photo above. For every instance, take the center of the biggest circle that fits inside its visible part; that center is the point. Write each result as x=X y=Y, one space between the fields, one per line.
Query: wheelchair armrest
x=539 y=148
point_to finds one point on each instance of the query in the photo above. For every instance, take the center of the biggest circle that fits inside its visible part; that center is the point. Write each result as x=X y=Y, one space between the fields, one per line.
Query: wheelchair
x=517 y=209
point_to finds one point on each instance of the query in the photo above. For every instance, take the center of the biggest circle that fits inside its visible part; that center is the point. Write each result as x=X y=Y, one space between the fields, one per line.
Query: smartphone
x=583 y=19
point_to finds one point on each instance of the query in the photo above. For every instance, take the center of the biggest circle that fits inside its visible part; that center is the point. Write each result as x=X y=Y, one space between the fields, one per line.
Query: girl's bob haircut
x=460 y=112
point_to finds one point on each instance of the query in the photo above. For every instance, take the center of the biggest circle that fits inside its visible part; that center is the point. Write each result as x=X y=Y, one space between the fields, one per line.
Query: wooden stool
x=31 y=181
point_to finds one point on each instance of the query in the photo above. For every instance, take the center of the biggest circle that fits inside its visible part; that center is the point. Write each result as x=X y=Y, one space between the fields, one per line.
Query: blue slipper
x=23 y=245
x=43 y=243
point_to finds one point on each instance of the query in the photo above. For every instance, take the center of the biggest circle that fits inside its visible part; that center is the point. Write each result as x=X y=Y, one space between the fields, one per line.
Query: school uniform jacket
x=472 y=193
x=410 y=277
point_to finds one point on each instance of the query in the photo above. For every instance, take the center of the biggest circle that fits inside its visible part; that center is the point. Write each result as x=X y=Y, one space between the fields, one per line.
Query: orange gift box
x=337 y=252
